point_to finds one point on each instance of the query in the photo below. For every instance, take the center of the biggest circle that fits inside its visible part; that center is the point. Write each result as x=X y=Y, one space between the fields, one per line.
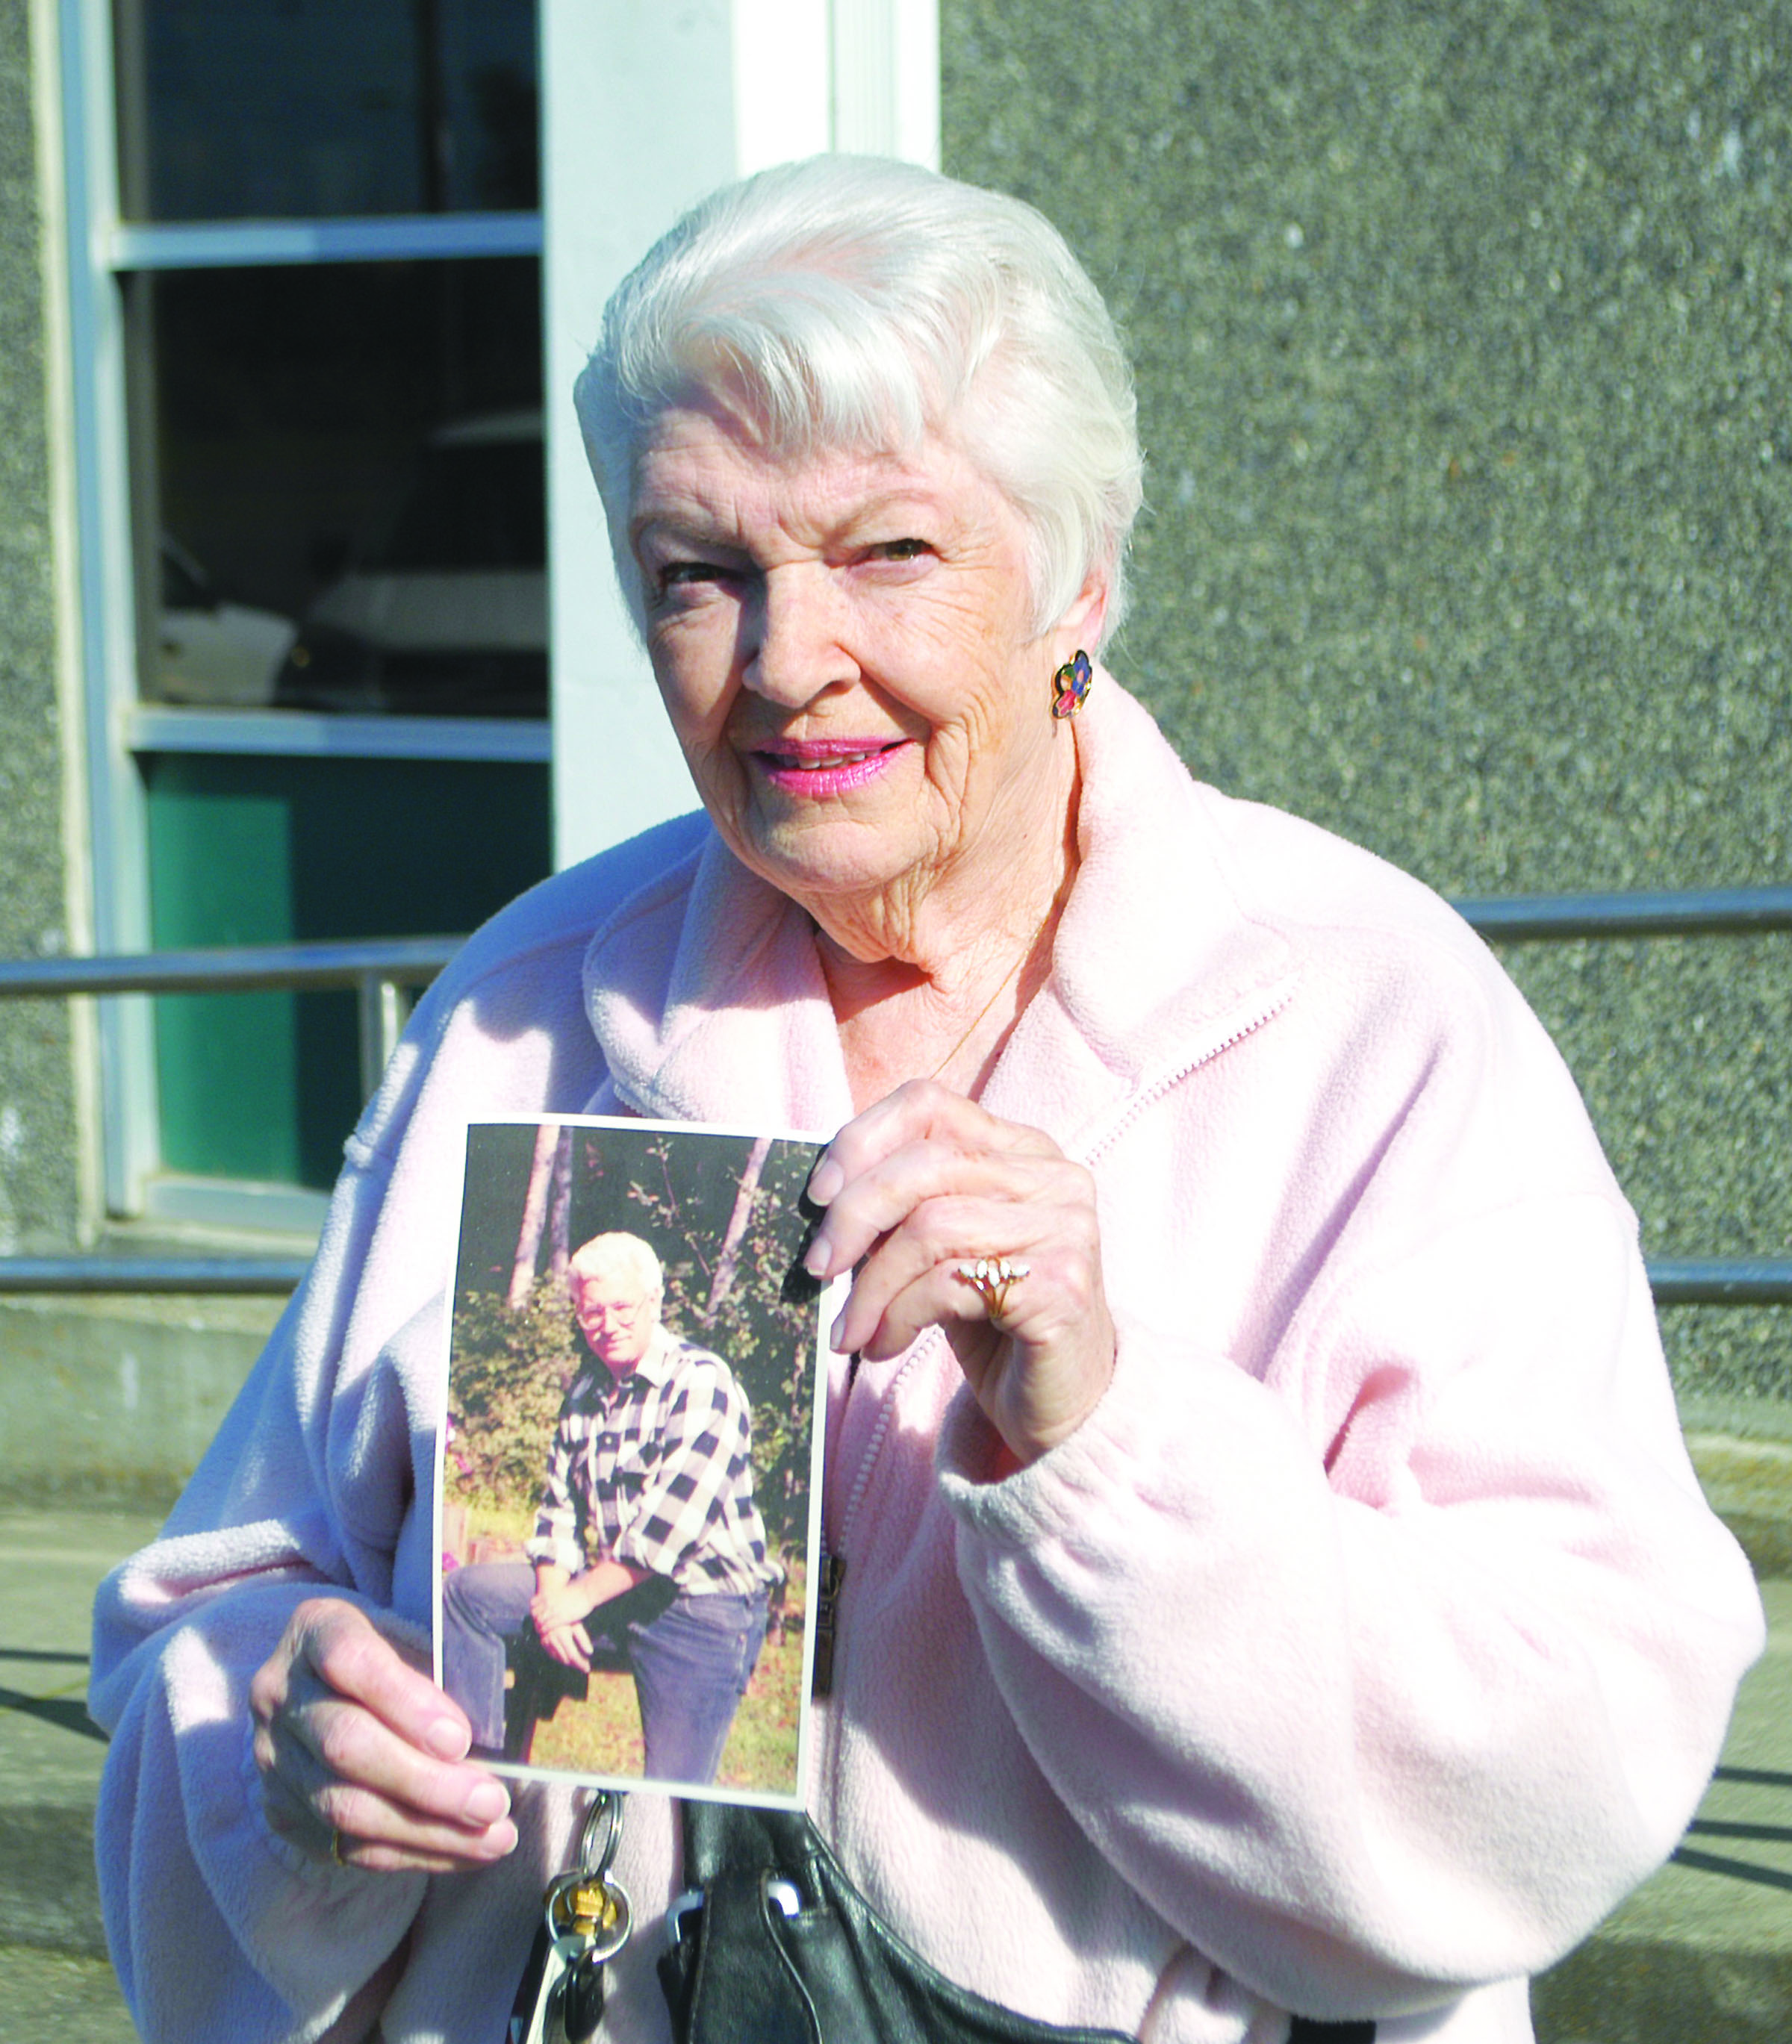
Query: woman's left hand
x=927 y=1181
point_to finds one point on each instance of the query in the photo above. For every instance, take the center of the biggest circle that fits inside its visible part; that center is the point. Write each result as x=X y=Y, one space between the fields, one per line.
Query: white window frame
x=642 y=110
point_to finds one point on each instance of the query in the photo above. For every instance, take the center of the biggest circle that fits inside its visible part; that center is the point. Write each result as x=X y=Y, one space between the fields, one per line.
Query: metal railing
x=1708 y=912
x=379 y=970
x=1742 y=1280
x=237 y=1276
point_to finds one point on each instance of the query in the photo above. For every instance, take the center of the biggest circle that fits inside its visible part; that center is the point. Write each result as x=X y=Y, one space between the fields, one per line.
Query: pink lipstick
x=819 y=767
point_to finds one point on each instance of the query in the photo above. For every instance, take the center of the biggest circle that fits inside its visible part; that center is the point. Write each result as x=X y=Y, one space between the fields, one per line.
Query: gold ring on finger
x=335 y=1845
x=992 y=1278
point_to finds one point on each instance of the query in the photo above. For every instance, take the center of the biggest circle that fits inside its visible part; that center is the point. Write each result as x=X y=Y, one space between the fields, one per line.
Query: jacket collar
x=706 y=994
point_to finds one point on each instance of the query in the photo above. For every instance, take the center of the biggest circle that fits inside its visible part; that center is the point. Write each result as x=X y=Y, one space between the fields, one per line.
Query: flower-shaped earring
x=1070 y=686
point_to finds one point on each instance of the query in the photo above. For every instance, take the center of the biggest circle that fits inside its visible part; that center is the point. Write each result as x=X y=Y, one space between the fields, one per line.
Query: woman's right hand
x=362 y=1757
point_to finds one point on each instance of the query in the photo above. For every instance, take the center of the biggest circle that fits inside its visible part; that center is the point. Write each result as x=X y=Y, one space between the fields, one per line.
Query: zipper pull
x=833 y=1567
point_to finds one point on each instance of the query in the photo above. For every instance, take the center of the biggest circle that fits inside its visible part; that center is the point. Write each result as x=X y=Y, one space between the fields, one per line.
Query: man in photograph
x=647 y=1532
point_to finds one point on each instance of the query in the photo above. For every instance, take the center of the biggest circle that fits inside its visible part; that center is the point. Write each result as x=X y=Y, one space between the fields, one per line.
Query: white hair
x=856 y=303
x=619 y=1255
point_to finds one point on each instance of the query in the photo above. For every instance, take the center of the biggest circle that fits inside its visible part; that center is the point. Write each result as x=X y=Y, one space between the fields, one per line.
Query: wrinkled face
x=617 y=1319
x=843 y=646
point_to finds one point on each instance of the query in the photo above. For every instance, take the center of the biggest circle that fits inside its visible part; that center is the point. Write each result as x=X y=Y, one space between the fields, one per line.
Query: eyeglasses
x=607 y=1313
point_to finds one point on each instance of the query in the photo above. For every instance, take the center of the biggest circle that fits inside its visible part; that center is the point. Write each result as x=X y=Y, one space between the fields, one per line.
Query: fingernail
x=503 y=1840
x=487 y=1804
x=446 y=1737
x=825 y=1181
x=817 y=1256
x=835 y=1331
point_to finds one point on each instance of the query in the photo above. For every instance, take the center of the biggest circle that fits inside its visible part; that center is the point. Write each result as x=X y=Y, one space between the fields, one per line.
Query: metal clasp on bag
x=784 y=1895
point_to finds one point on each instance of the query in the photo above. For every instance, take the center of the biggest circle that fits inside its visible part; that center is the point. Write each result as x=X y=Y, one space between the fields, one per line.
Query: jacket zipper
x=833 y=1559
x=833 y=1564
x=1154 y=1093
x=833 y=1568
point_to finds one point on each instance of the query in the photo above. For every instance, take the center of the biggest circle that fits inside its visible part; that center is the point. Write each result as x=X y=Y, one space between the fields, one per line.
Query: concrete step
x=1748 y=1481
x=114 y=1400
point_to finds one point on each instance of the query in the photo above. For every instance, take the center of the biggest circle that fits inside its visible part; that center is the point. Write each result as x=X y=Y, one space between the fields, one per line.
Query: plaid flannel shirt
x=656 y=1471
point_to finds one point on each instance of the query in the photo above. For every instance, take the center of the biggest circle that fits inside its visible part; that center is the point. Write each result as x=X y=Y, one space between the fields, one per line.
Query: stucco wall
x=38 y=1131
x=1463 y=350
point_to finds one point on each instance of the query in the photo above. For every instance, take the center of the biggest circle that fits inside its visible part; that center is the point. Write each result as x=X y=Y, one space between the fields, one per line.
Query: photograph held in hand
x=627 y=1491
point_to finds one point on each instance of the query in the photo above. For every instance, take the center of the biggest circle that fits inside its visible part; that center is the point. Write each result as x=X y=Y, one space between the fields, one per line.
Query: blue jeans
x=691 y=1661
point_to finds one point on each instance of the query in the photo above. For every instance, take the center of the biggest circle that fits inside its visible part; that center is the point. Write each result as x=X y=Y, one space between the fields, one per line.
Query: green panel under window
x=246 y=850
x=220 y=866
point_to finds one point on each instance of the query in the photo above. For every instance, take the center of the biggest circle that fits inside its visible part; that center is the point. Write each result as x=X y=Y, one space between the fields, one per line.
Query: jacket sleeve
x=1383 y=1666
x=218 y=1928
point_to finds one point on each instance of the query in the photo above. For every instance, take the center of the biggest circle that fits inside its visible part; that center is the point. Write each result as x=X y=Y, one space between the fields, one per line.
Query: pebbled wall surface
x=1463 y=350
x=38 y=1187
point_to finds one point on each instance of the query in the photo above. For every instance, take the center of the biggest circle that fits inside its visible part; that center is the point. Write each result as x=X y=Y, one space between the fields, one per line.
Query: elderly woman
x=1273 y=1579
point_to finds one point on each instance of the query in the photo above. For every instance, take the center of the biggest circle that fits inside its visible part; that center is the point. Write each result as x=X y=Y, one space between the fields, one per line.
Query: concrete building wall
x=1463 y=351
x=39 y=1147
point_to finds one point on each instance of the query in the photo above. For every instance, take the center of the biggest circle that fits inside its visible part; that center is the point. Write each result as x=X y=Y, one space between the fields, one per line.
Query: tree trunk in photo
x=559 y=1211
x=724 y=1281
x=535 y=1216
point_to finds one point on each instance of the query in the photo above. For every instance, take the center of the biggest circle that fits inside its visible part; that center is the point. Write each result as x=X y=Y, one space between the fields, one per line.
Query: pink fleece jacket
x=1356 y=1655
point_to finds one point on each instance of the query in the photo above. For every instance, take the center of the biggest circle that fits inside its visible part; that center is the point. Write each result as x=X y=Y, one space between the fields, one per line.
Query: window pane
x=236 y=110
x=266 y=1085
x=340 y=487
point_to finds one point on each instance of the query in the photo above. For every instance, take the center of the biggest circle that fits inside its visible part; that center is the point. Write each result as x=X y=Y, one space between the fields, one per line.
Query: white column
x=107 y=587
x=644 y=108
x=783 y=89
x=637 y=111
x=886 y=66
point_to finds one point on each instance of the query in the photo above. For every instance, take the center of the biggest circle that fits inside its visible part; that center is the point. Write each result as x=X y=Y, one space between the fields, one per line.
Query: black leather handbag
x=771 y=1943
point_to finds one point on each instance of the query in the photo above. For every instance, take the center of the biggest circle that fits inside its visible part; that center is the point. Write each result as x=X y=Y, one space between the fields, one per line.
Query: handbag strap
x=736 y=1836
